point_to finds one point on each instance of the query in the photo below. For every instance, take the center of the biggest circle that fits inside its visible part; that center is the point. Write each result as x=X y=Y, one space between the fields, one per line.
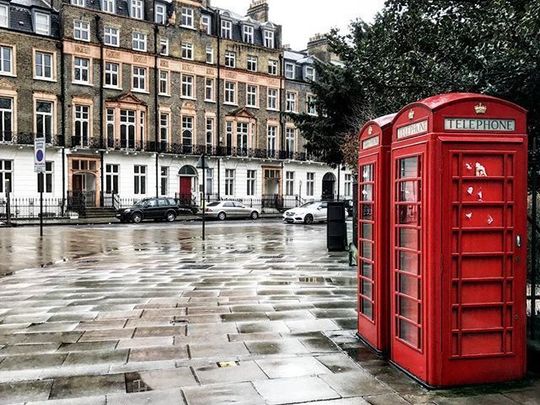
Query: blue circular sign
x=39 y=155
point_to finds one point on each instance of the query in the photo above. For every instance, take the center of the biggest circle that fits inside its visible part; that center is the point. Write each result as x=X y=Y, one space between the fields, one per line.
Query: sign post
x=39 y=168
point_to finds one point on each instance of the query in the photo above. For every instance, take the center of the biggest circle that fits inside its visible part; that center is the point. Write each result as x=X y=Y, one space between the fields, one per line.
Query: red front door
x=185 y=189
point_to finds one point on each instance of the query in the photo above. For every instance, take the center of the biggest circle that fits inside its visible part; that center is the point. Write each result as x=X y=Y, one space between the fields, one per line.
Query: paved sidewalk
x=257 y=314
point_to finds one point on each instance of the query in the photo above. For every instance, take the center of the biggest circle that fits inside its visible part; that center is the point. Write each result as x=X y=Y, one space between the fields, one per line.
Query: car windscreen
x=309 y=204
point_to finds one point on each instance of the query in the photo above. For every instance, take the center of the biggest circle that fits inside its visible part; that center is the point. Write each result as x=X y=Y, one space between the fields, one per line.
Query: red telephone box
x=373 y=232
x=458 y=254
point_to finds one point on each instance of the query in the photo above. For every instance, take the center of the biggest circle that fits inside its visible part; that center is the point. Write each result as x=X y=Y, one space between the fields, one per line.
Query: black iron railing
x=29 y=208
x=27 y=138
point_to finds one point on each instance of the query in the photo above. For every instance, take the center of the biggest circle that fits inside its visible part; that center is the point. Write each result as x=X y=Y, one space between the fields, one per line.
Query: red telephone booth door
x=367 y=299
x=408 y=345
x=483 y=314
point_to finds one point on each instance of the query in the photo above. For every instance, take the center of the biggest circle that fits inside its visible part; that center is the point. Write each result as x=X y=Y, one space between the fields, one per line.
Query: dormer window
x=4 y=15
x=247 y=34
x=81 y=30
x=108 y=6
x=136 y=9
x=309 y=73
x=160 y=13
x=187 y=17
x=79 y=3
x=42 y=23
x=269 y=39
x=226 y=29
x=206 y=24
x=289 y=70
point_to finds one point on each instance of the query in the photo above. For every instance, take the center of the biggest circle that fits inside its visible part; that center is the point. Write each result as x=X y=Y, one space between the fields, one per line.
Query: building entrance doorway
x=328 y=186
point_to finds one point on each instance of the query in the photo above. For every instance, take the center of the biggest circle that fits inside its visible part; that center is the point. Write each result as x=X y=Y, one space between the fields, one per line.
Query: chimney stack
x=258 y=10
x=318 y=47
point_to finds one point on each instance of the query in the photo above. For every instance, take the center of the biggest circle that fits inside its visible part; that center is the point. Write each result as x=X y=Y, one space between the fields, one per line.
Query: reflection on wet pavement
x=257 y=314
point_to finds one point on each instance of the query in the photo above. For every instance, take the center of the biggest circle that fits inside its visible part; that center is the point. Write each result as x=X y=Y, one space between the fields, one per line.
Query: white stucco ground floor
x=129 y=175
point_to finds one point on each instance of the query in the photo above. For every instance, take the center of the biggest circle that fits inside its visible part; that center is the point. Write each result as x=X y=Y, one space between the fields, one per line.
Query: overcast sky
x=301 y=19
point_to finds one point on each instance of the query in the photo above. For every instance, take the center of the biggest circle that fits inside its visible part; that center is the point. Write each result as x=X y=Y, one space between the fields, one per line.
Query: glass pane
x=408 y=191
x=409 y=333
x=408 y=285
x=367 y=270
x=366 y=211
x=366 y=288
x=408 y=238
x=408 y=262
x=366 y=249
x=408 y=167
x=367 y=308
x=367 y=231
x=408 y=214
x=367 y=173
x=367 y=192
x=408 y=308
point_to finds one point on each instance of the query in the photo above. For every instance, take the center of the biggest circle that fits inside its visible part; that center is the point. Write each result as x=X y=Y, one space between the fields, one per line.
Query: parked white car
x=307 y=214
x=230 y=209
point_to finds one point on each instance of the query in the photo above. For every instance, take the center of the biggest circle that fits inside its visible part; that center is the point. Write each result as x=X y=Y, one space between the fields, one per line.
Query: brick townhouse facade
x=129 y=94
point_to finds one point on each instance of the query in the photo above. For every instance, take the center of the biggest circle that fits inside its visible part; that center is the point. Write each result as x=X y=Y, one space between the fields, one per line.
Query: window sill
x=112 y=87
x=8 y=74
x=210 y=101
x=87 y=84
x=164 y=95
x=188 y=98
x=45 y=79
x=140 y=91
x=232 y=104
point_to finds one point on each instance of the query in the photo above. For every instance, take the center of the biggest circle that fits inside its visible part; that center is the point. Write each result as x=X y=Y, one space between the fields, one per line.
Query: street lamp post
x=201 y=164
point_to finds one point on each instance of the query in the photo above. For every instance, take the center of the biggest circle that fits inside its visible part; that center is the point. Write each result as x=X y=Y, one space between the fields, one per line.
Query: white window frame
x=210 y=129
x=248 y=34
x=252 y=96
x=272 y=99
x=164 y=127
x=6 y=173
x=138 y=41
x=252 y=63
x=136 y=9
x=139 y=179
x=137 y=78
x=7 y=136
x=9 y=62
x=164 y=79
x=311 y=109
x=187 y=50
x=187 y=17
x=230 y=59
x=209 y=54
x=79 y=66
x=111 y=36
x=40 y=68
x=229 y=94
x=348 y=185
x=46 y=116
x=81 y=30
x=48 y=178
x=4 y=15
x=112 y=178
x=42 y=27
x=269 y=39
x=108 y=6
x=311 y=75
x=289 y=183
x=273 y=67
x=79 y=3
x=251 y=182
x=163 y=181
x=310 y=184
x=291 y=102
x=111 y=73
x=188 y=86
x=290 y=140
x=229 y=182
x=81 y=120
x=164 y=46
x=290 y=70
x=226 y=29
x=160 y=13
x=209 y=85
x=206 y=24
x=271 y=138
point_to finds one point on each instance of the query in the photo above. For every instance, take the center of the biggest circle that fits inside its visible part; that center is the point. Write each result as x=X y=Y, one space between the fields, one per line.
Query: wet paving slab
x=259 y=313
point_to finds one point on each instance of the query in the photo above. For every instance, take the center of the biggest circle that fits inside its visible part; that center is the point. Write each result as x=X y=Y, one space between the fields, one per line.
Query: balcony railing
x=27 y=138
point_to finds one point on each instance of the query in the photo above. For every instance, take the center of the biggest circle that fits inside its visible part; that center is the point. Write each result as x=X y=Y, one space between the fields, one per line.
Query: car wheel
x=194 y=211
x=136 y=218
x=171 y=216
x=221 y=216
x=308 y=219
x=254 y=215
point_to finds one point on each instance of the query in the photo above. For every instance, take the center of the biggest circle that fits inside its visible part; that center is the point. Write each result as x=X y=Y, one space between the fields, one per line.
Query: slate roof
x=20 y=15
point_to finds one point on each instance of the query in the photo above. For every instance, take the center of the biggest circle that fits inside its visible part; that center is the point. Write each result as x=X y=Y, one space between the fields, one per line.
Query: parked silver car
x=230 y=209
